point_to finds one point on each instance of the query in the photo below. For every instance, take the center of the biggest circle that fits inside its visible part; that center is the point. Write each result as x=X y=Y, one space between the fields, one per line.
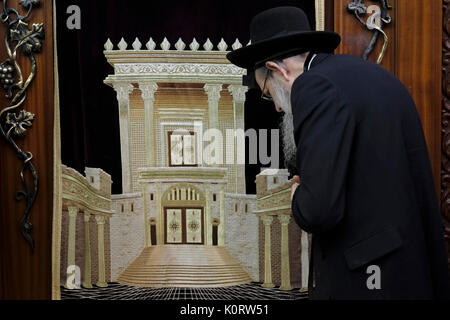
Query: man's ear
x=276 y=67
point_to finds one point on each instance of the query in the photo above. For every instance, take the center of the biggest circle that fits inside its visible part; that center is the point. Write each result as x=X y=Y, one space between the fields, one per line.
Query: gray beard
x=282 y=98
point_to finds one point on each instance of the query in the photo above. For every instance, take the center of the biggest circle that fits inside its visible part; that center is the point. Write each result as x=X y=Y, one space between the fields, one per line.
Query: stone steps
x=184 y=266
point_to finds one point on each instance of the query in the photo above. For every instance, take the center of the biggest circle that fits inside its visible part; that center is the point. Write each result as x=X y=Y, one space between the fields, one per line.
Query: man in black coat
x=364 y=187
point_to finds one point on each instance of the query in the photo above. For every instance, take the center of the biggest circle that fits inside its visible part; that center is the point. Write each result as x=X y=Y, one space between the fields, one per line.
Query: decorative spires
x=208 y=46
x=151 y=45
x=109 y=45
x=237 y=45
x=165 y=45
x=123 y=45
x=137 y=45
x=194 y=45
x=222 y=45
x=180 y=45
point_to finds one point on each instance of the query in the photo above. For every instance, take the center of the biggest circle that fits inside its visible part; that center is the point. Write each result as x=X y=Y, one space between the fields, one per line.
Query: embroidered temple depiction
x=179 y=222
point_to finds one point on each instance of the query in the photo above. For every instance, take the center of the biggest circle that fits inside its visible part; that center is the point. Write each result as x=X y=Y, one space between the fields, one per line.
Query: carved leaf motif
x=20 y=123
x=179 y=69
x=30 y=40
x=19 y=38
x=27 y=3
x=357 y=7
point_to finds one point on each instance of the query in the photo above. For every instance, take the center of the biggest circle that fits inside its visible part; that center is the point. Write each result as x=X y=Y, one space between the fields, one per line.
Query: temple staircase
x=185 y=266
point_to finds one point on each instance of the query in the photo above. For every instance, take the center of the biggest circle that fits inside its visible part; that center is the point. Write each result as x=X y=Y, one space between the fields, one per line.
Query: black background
x=89 y=112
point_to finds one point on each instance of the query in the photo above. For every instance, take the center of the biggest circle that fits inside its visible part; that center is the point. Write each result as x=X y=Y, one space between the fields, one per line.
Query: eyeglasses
x=264 y=95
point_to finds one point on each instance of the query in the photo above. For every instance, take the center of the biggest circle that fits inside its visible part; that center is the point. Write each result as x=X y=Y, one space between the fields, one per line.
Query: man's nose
x=278 y=109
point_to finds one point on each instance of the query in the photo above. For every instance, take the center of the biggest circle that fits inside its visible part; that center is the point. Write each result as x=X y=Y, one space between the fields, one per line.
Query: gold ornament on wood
x=20 y=39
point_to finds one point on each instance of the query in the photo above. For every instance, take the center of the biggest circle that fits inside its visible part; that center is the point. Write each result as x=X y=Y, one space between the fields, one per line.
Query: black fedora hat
x=281 y=32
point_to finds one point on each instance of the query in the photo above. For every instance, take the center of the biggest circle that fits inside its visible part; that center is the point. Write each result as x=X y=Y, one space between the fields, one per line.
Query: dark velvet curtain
x=89 y=113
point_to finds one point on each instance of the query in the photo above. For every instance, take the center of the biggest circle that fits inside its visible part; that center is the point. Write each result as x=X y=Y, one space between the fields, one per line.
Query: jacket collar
x=315 y=59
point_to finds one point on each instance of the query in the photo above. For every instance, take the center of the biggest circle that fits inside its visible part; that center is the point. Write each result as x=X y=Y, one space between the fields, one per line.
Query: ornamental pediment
x=181 y=64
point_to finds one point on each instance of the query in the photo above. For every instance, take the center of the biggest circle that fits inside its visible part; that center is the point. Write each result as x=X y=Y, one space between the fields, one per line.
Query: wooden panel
x=26 y=274
x=356 y=38
x=418 y=65
x=413 y=55
x=329 y=15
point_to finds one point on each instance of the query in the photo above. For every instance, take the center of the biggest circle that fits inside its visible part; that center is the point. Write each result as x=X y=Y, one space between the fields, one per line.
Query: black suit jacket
x=367 y=193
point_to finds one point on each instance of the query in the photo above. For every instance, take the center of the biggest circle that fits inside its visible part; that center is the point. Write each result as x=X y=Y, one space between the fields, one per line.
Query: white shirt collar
x=310 y=62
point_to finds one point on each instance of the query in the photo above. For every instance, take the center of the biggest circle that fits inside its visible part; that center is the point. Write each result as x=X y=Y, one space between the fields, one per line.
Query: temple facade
x=184 y=218
x=179 y=111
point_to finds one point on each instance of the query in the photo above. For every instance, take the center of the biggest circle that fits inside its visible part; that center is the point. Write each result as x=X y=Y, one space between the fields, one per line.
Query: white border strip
x=320 y=15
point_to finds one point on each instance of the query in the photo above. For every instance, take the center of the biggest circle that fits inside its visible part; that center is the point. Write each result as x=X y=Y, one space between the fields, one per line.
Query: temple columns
x=148 y=236
x=305 y=261
x=160 y=222
x=123 y=96
x=148 y=90
x=71 y=247
x=213 y=92
x=267 y=220
x=73 y=213
x=221 y=227
x=284 y=220
x=285 y=270
x=208 y=225
x=238 y=93
x=101 y=251
x=87 y=283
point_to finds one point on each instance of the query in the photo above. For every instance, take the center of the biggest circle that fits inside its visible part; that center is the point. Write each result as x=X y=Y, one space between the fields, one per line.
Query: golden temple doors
x=184 y=226
x=183 y=216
